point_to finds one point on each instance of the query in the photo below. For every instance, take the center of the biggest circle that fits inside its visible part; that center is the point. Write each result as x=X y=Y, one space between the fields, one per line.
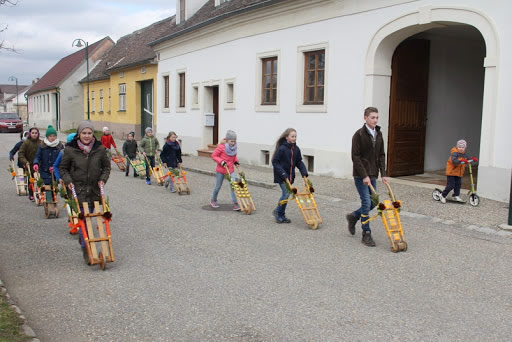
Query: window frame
x=181 y=95
x=166 y=92
x=316 y=71
x=122 y=97
x=101 y=101
x=227 y=83
x=274 y=61
x=305 y=107
x=259 y=107
x=93 y=101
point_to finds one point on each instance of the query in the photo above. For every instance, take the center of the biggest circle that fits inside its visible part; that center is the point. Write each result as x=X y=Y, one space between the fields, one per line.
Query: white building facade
x=436 y=70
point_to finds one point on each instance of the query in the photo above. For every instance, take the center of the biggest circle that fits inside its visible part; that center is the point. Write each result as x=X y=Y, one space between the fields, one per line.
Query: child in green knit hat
x=46 y=155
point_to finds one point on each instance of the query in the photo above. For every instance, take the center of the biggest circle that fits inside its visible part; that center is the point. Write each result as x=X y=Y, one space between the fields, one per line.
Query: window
x=314 y=72
x=143 y=70
x=269 y=81
x=195 y=96
x=182 y=90
x=121 y=74
x=166 y=91
x=109 y=103
x=101 y=100
x=92 y=101
x=229 y=93
x=122 y=96
x=182 y=10
x=48 y=101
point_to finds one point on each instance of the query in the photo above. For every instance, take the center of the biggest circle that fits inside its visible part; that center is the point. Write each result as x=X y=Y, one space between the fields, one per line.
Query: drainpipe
x=57 y=109
x=26 y=100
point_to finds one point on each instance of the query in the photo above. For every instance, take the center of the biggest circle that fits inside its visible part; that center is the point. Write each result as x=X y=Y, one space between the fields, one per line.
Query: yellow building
x=122 y=86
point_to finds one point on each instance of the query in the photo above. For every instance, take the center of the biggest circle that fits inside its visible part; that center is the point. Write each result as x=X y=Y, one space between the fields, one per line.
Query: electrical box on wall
x=209 y=119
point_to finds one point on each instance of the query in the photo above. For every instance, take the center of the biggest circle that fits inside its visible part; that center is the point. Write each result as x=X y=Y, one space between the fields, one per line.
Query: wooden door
x=408 y=108
x=146 y=97
x=216 y=112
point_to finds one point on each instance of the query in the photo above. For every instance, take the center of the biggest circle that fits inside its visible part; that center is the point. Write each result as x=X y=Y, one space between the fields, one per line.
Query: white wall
x=41 y=115
x=327 y=135
x=72 y=98
x=455 y=94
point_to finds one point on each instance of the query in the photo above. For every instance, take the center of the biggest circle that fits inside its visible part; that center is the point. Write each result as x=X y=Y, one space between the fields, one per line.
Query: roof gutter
x=214 y=20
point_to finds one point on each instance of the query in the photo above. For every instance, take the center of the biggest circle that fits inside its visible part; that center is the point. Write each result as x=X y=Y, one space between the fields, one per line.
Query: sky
x=42 y=31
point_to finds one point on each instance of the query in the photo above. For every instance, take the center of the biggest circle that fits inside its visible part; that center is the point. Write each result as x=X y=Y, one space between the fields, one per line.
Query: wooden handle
x=390 y=192
x=372 y=188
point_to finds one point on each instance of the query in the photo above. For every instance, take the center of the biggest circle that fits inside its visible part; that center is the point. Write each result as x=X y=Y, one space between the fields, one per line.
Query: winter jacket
x=28 y=151
x=453 y=165
x=285 y=159
x=149 y=145
x=130 y=148
x=171 y=154
x=368 y=156
x=220 y=155
x=14 y=151
x=85 y=171
x=107 y=141
x=57 y=164
x=45 y=158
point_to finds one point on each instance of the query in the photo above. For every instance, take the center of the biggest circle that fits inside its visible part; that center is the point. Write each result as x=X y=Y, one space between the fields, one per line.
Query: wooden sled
x=119 y=160
x=51 y=205
x=158 y=171
x=98 y=240
x=20 y=181
x=243 y=196
x=307 y=205
x=139 y=166
x=389 y=211
x=179 y=179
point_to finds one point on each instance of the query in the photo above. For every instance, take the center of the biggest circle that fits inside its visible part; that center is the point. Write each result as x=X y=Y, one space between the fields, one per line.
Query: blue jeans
x=219 y=179
x=128 y=167
x=281 y=208
x=452 y=183
x=367 y=205
x=152 y=161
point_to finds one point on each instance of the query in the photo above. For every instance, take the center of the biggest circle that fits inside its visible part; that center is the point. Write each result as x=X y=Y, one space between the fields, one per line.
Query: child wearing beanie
x=225 y=155
x=148 y=146
x=130 y=152
x=47 y=154
x=455 y=167
x=107 y=141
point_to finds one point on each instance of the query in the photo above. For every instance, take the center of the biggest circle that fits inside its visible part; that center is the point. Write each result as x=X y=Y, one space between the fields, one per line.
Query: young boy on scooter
x=455 y=167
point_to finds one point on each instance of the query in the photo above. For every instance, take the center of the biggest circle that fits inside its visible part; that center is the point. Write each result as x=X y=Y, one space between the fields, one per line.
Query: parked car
x=10 y=122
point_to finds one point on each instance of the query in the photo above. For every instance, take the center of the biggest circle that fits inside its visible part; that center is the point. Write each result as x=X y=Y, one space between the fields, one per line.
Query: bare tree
x=3 y=27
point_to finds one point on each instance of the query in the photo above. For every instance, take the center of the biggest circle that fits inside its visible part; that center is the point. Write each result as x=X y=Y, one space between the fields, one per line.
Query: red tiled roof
x=11 y=88
x=63 y=68
x=209 y=14
x=131 y=50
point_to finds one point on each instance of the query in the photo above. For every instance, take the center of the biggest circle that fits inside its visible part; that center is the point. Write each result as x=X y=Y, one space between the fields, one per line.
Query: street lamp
x=12 y=78
x=79 y=43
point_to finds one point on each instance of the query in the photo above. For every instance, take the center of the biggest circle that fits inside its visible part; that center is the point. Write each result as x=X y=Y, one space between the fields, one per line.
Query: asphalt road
x=184 y=272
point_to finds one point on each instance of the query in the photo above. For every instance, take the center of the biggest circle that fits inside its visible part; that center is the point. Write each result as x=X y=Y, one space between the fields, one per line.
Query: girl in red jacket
x=106 y=140
x=225 y=155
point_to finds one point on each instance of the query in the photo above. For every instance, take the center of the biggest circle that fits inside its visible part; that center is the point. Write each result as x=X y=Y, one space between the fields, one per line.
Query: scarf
x=86 y=148
x=173 y=144
x=230 y=151
x=51 y=144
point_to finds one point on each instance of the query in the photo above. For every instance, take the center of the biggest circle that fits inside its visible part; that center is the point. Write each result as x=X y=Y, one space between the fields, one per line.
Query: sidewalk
x=416 y=197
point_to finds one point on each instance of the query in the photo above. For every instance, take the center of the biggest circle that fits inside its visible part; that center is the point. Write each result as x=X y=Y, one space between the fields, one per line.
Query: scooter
x=474 y=200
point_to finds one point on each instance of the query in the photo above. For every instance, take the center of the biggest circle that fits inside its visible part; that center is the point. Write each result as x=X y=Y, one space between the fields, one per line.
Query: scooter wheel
x=102 y=261
x=313 y=224
x=474 y=200
x=436 y=194
x=395 y=248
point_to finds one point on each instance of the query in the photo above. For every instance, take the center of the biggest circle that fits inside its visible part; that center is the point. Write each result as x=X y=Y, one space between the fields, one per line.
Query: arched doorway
x=429 y=21
x=436 y=97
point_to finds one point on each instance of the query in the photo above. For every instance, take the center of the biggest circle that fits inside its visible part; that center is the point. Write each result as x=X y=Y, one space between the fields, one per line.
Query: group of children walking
x=367 y=154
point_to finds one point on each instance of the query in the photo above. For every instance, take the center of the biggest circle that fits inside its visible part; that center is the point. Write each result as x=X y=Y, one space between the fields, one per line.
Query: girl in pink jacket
x=225 y=155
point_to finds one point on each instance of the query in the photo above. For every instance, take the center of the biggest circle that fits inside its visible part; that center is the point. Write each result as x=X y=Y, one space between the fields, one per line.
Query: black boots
x=351 y=223
x=279 y=213
x=367 y=239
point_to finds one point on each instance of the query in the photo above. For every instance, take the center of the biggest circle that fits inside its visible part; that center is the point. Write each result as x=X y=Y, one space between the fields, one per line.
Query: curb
x=251 y=182
x=25 y=328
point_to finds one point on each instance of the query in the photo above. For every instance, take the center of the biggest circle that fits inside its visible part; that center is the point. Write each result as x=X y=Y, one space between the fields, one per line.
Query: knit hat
x=148 y=129
x=70 y=137
x=462 y=143
x=105 y=128
x=132 y=134
x=230 y=135
x=50 y=130
x=83 y=125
